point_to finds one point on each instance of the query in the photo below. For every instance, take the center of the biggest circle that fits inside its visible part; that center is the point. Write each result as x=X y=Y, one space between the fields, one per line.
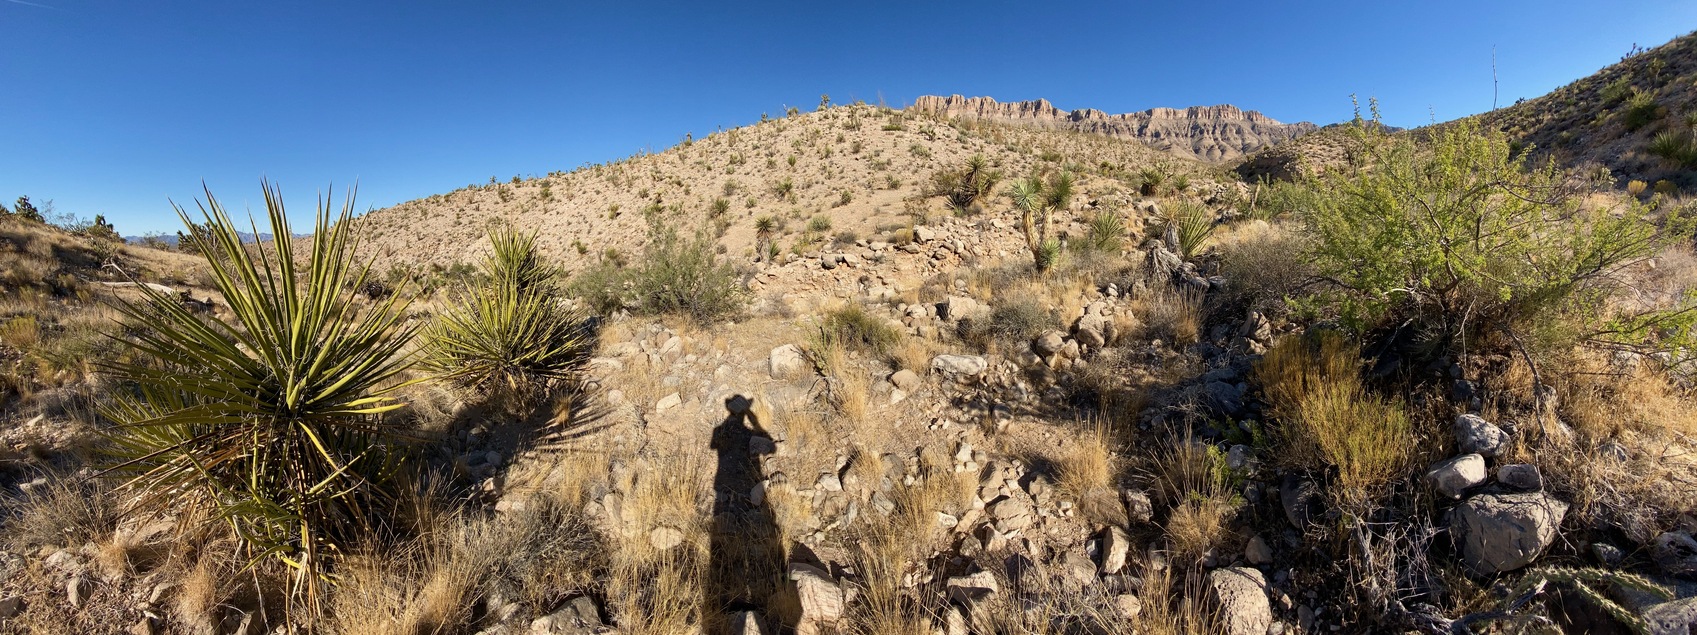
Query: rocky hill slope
x=847 y=172
x=1611 y=118
x=1209 y=133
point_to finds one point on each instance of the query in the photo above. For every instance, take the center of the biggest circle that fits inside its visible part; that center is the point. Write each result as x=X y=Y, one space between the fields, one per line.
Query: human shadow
x=745 y=549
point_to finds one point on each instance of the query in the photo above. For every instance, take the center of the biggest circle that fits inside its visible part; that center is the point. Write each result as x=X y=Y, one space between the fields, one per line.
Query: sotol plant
x=510 y=335
x=270 y=419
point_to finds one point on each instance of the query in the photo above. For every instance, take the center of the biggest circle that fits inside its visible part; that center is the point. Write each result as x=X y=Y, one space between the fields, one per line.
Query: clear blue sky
x=114 y=107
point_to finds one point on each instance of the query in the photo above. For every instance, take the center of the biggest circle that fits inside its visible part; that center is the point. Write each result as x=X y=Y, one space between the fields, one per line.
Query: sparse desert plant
x=1636 y=188
x=967 y=185
x=820 y=223
x=509 y=335
x=718 y=207
x=1037 y=201
x=1677 y=147
x=1641 y=109
x=1171 y=314
x=1329 y=419
x=1153 y=181
x=273 y=421
x=684 y=276
x=1190 y=224
x=1107 y=232
x=856 y=328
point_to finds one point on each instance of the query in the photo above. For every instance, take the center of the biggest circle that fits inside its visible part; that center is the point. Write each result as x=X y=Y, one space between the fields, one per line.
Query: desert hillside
x=967 y=369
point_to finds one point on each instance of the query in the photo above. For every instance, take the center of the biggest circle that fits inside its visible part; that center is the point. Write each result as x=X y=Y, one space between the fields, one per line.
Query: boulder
x=1239 y=594
x=1258 y=552
x=1504 y=532
x=1454 y=477
x=820 y=596
x=959 y=366
x=579 y=616
x=1302 y=501
x=1474 y=435
x=1094 y=330
x=906 y=380
x=665 y=538
x=787 y=362
x=1138 y=506
x=1116 y=545
x=970 y=589
x=1675 y=553
x=1049 y=343
x=1521 y=476
x=957 y=307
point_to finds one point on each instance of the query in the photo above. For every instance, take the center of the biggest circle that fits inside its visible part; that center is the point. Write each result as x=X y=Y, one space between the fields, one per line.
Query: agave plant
x=270 y=418
x=510 y=335
x=1189 y=224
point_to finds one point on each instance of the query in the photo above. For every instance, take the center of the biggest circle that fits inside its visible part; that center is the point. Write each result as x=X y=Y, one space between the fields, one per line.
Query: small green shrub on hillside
x=1107 y=232
x=854 y=327
x=1677 y=147
x=676 y=275
x=1641 y=109
x=509 y=335
x=270 y=421
x=1461 y=238
x=967 y=185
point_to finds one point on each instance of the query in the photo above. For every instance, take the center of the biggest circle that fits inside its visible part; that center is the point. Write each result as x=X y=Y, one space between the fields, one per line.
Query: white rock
x=1504 y=532
x=787 y=362
x=1452 y=478
x=1240 y=596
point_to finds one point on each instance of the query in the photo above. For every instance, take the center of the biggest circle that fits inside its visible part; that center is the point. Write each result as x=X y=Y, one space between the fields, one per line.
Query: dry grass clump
x=1086 y=469
x=1262 y=263
x=1170 y=314
x=1192 y=479
x=67 y=511
x=1329 y=418
x=1170 y=611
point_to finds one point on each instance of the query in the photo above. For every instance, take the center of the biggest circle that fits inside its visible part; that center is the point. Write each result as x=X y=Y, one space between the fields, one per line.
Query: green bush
x=856 y=328
x=1641 y=109
x=509 y=335
x=1190 y=223
x=271 y=420
x=676 y=275
x=1107 y=232
x=965 y=186
x=1461 y=238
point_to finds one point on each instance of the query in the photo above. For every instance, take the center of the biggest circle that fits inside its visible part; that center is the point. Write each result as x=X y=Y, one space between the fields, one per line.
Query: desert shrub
x=682 y=276
x=273 y=419
x=509 y=334
x=1636 y=188
x=1641 y=109
x=1276 y=199
x=820 y=223
x=1037 y=201
x=1171 y=314
x=968 y=184
x=1019 y=320
x=719 y=206
x=856 y=328
x=1328 y=418
x=1153 y=181
x=1676 y=147
x=1462 y=238
x=1264 y=267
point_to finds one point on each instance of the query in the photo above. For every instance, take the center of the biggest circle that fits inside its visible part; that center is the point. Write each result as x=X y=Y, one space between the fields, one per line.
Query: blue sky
x=115 y=107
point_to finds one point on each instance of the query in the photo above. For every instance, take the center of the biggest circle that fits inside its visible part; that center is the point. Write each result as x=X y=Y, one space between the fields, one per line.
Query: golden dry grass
x=1328 y=418
x=1170 y=314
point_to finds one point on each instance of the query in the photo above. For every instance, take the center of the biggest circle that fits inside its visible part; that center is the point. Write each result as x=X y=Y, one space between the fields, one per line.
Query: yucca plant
x=510 y=335
x=271 y=418
x=1107 y=232
x=1190 y=224
x=1037 y=202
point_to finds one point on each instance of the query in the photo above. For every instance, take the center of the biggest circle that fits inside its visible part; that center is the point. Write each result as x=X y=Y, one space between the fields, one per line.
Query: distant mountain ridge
x=1209 y=133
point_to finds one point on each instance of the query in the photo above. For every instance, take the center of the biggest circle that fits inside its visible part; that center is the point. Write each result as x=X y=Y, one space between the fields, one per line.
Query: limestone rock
x=906 y=380
x=959 y=366
x=820 y=596
x=1240 y=596
x=1453 y=477
x=1675 y=553
x=665 y=538
x=969 y=589
x=1475 y=435
x=786 y=362
x=1504 y=532
x=1521 y=476
x=1258 y=552
x=1116 y=545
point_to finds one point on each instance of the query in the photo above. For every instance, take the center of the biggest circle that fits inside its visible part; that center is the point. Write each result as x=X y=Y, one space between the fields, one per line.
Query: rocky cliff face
x=1209 y=133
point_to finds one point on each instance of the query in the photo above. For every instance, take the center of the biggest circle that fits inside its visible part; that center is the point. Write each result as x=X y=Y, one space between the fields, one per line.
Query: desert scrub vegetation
x=271 y=421
x=1037 y=200
x=1329 y=420
x=675 y=275
x=964 y=186
x=1187 y=224
x=509 y=334
x=1461 y=239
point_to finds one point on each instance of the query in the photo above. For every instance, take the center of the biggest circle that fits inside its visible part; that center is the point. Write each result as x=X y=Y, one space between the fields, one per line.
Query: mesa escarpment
x=1209 y=133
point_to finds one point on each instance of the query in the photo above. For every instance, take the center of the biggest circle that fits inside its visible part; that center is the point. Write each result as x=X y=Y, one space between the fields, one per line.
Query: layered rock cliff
x=1210 y=133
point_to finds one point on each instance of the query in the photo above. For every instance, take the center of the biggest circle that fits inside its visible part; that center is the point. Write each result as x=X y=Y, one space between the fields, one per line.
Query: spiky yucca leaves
x=1190 y=224
x=1037 y=202
x=272 y=418
x=510 y=335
